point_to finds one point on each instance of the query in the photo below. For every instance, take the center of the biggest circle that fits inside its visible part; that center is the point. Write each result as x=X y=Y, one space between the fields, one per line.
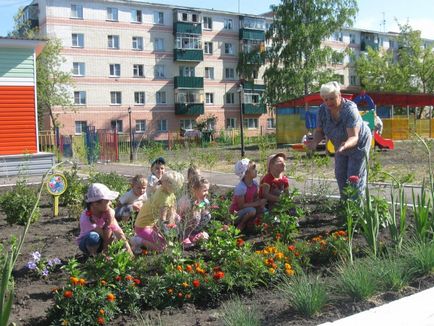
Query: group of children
x=161 y=214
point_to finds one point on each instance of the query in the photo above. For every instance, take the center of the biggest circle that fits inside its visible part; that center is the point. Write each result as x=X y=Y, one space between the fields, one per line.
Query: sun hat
x=98 y=191
x=272 y=157
x=241 y=167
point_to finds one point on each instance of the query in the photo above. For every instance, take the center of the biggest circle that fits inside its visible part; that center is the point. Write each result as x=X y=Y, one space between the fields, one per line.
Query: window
x=140 y=126
x=228 y=23
x=271 y=123
x=112 y=14
x=80 y=127
x=159 y=71
x=207 y=23
x=209 y=98
x=78 y=69
x=230 y=98
x=207 y=48
x=188 y=41
x=159 y=44
x=229 y=73
x=80 y=98
x=391 y=44
x=353 y=80
x=251 y=123
x=337 y=36
x=160 y=97
x=161 y=125
x=184 y=17
x=115 y=98
x=136 y=16
x=113 y=42
x=117 y=126
x=115 y=70
x=186 y=71
x=159 y=17
x=137 y=43
x=139 y=98
x=195 y=18
x=77 y=11
x=251 y=98
x=187 y=124
x=231 y=123
x=352 y=39
x=229 y=49
x=138 y=71
x=78 y=40
x=209 y=72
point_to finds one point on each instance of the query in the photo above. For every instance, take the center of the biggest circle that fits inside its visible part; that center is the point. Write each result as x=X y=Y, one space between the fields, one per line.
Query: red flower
x=171 y=225
x=180 y=295
x=128 y=278
x=118 y=278
x=100 y=321
x=291 y=248
x=137 y=281
x=218 y=275
x=88 y=213
x=67 y=294
x=354 y=179
x=188 y=268
x=196 y=283
x=240 y=242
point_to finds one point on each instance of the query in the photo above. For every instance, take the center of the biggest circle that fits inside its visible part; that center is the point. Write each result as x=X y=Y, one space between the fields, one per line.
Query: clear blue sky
x=419 y=13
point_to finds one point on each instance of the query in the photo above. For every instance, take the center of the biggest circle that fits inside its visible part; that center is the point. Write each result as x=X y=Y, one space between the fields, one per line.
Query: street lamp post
x=241 y=92
x=131 y=135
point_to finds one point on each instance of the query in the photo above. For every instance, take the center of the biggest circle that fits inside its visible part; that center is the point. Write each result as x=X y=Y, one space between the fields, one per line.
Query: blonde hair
x=330 y=88
x=139 y=179
x=175 y=179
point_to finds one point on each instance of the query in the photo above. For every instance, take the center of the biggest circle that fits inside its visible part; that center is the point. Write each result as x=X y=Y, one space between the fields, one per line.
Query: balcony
x=251 y=34
x=249 y=86
x=249 y=108
x=191 y=55
x=187 y=28
x=188 y=82
x=189 y=108
x=366 y=43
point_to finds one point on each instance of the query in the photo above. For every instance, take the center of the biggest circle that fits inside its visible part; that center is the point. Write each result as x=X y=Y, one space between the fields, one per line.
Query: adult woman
x=340 y=121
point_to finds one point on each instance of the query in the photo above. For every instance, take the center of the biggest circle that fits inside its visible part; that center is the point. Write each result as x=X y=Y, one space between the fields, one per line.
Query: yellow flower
x=185 y=284
x=287 y=266
x=271 y=270
x=289 y=272
x=279 y=256
x=65 y=322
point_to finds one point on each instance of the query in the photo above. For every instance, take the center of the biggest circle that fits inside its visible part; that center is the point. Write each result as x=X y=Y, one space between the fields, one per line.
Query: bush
x=112 y=180
x=18 y=204
x=73 y=196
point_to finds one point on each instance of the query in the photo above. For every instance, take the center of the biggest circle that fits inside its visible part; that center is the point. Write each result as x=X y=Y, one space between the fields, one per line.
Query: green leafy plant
x=306 y=294
x=73 y=196
x=419 y=256
x=112 y=180
x=422 y=210
x=392 y=273
x=18 y=204
x=236 y=313
x=41 y=266
x=397 y=218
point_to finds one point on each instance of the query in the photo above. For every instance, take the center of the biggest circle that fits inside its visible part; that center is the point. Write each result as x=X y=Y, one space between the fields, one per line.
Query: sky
x=378 y=15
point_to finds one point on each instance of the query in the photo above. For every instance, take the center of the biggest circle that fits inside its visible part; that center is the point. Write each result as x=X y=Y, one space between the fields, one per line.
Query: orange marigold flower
x=258 y=252
x=200 y=271
x=272 y=270
x=100 y=321
x=341 y=233
x=240 y=242
x=196 y=283
x=101 y=312
x=110 y=297
x=82 y=281
x=274 y=266
x=137 y=281
x=291 y=248
x=74 y=280
x=103 y=282
x=188 y=268
x=144 y=252
x=170 y=291
x=289 y=272
x=179 y=268
x=269 y=261
x=218 y=275
x=67 y=294
x=279 y=256
x=278 y=236
x=296 y=254
x=287 y=266
x=185 y=284
x=128 y=278
x=118 y=278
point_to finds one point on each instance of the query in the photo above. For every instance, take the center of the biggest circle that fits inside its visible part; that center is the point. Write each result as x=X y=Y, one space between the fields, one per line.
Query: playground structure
x=401 y=115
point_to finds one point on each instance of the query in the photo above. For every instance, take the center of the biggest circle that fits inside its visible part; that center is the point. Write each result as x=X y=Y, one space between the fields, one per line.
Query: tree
x=53 y=85
x=410 y=68
x=298 y=62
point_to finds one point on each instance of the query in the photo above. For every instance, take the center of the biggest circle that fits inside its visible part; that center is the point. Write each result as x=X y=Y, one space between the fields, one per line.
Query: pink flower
x=354 y=179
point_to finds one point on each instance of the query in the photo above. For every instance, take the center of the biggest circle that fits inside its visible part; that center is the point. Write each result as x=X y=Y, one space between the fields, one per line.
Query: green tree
x=410 y=68
x=53 y=85
x=298 y=61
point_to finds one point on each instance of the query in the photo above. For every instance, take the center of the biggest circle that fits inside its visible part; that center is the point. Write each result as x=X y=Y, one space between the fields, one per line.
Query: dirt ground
x=54 y=237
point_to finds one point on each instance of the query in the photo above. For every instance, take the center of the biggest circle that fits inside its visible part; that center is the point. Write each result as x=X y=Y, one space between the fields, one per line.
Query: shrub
x=73 y=196
x=112 y=180
x=236 y=313
x=306 y=294
x=18 y=204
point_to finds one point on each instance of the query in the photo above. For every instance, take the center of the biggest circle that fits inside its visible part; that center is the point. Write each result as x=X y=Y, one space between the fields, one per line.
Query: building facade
x=171 y=65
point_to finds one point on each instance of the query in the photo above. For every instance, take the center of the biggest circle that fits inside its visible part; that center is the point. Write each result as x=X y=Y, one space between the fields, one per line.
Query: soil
x=54 y=237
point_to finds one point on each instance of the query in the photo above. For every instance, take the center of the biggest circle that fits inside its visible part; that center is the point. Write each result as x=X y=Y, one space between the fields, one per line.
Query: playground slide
x=383 y=142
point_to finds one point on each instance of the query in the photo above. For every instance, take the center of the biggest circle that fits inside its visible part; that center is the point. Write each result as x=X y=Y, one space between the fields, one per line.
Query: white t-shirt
x=130 y=198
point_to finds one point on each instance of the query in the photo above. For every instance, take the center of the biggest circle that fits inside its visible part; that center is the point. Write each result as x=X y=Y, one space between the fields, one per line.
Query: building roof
x=16 y=42
x=379 y=98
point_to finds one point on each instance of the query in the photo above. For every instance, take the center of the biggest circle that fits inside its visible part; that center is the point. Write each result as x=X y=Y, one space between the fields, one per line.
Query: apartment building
x=169 y=66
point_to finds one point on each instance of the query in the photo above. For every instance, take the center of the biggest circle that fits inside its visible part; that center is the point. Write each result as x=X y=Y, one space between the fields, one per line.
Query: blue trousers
x=91 y=240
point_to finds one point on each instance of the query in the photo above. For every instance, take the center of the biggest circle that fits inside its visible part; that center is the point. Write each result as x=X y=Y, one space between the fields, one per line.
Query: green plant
x=357 y=280
x=422 y=210
x=112 y=180
x=221 y=245
x=237 y=313
x=153 y=150
x=353 y=212
x=392 y=273
x=73 y=196
x=40 y=266
x=19 y=203
x=419 y=256
x=306 y=294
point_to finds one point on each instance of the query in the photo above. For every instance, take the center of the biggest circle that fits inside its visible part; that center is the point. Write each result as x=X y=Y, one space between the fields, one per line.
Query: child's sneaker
x=136 y=245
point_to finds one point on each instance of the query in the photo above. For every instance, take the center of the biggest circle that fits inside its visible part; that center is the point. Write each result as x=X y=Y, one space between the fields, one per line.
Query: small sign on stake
x=56 y=185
